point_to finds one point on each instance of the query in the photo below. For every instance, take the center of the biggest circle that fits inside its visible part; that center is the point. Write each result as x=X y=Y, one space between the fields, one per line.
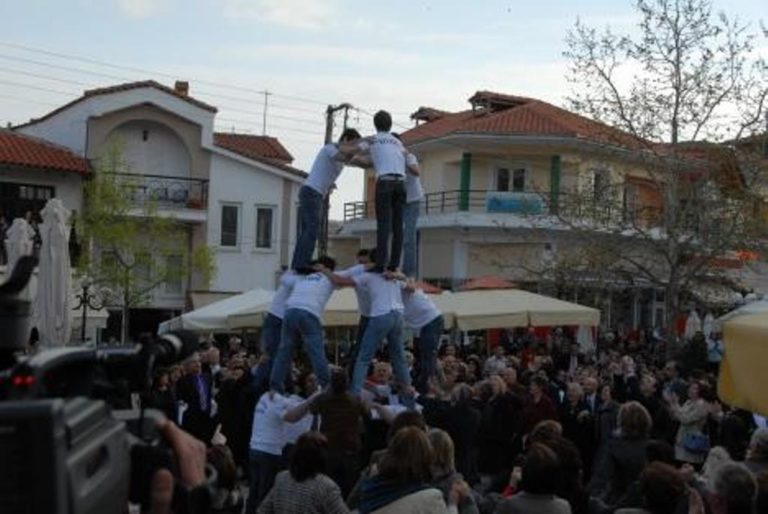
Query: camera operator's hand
x=191 y=458
x=190 y=454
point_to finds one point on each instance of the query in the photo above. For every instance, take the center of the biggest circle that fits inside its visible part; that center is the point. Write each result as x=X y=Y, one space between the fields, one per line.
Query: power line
x=145 y=71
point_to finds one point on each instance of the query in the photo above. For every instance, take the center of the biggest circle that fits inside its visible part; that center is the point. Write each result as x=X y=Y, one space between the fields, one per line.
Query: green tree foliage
x=132 y=247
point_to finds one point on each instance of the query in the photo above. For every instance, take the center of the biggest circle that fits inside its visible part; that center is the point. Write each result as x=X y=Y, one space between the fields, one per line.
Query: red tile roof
x=124 y=87
x=518 y=116
x=29 y=152
x=264 y=149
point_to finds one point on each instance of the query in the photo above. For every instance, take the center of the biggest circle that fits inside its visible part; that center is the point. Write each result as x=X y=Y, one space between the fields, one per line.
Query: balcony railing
x=165 y=191
x=605 y=211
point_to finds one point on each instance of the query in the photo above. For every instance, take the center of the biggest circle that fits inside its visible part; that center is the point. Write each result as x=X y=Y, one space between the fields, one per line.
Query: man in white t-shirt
x=364 y=259
x=303 y=324
x=322 y=177
x=414 y=192
x=385 y=322
x=387 y=155
x=271 y=330
x=423 y=317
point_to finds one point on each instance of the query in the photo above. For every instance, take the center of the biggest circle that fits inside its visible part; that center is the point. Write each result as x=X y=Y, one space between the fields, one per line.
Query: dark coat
x=619 y=464
x=197 y=418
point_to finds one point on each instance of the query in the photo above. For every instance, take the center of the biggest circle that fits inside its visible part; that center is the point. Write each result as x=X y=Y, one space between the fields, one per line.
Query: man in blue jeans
x=303 y=324
x=271 y=331
x=385 y=323
x=364 y=258
x=414 y=192
x=322 y=177
x=387 y=155
x=423 y=317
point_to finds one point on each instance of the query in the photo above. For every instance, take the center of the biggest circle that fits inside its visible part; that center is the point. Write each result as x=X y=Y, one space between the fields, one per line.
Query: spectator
x=757 y=455
x=538 y=484
x=734 y=490
x=662 y=488
x=403 y=481
x=539 y=406
x=691 y=444
x=444 y=474
x=622 y=459
x=305 y=488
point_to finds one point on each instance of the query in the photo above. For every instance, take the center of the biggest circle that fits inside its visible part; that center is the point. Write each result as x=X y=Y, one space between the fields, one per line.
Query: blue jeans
x=310 y=212
x=390 y=199
x=410 y=241
x=389 y=327
x=300 y=326
x=263 y=468
x=355 y=350
x=270 y=342
x=428 y=343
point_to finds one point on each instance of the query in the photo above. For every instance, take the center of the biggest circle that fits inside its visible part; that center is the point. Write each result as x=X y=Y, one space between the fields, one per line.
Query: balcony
x=497 y=205
x=182 y=197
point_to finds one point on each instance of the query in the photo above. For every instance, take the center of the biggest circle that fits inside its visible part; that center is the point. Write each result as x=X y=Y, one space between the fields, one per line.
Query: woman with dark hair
x=403 y=483
x=304 y=488
x=538 y=485
x=444 y=473
x=622 y=459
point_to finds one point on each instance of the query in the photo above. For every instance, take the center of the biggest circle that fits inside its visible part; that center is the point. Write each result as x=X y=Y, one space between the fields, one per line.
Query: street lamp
x=87 y=300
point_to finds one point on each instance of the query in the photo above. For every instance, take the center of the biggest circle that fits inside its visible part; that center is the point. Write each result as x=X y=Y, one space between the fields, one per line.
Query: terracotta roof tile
x=264 y=149
x=124 y=87
x=29 y=152
x=514 y=115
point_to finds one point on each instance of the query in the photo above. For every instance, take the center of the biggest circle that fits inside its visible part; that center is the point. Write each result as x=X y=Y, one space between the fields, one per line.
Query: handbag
x=696 y=443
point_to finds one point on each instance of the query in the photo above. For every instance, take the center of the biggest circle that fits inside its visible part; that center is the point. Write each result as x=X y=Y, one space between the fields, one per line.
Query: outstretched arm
x=338 y=280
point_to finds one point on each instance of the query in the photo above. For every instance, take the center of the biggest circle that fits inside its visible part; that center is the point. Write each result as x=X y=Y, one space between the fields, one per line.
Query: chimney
x=182 y=87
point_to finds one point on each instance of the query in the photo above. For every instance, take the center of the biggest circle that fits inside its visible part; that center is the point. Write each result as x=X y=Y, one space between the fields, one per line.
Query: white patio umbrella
x=18 y=242
x=52 y=305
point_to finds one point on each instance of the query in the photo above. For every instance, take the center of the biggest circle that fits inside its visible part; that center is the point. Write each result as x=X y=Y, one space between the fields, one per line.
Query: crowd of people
x=405 y=424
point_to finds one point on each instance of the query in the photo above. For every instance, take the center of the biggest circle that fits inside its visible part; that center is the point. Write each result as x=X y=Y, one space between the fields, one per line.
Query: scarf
x=377 y=492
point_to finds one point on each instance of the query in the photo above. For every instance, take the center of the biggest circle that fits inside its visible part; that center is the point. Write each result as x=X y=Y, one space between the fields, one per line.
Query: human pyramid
x=387 y=296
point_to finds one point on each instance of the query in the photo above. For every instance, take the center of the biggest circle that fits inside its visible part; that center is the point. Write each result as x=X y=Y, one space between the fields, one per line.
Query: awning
x=213 y=317
x=743 y=382
x=506 y=308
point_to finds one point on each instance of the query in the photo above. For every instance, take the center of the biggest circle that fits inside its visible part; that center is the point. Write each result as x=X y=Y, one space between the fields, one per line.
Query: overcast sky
x=396 y=55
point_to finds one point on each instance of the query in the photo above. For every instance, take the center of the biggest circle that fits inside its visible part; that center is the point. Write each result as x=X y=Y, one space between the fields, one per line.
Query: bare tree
x=686 y=82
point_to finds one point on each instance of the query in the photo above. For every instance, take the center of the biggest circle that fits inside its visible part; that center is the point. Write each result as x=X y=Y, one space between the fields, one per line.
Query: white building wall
x=236 y=183
x=152 y=149
x=69 y=127
x=67 y=185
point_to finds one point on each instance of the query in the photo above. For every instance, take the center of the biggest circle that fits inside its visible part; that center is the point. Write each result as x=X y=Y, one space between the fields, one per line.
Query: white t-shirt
x=419 y=311
x=310 y=293
x=413 y=189
x=292 y=431
x=267 y=434
x=363 y=295
x=277 y=307
x=387 y=154
x=386 y=295
x=325 y=170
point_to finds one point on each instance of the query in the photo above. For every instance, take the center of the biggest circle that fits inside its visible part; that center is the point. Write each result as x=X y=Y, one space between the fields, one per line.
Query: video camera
x=69 y=441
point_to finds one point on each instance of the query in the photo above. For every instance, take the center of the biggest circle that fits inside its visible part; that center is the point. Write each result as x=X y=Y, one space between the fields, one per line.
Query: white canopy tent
x=505 y=308
x=213 y=317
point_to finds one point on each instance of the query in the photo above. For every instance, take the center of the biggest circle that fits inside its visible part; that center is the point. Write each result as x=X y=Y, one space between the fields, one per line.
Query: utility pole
x=330 y=114
x=264 y=114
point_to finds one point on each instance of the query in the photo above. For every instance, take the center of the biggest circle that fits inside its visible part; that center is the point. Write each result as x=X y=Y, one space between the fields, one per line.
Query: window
x=264 y=226
x=600 y=186
x=630 y=206
x=173 y=283
x=230 y=218
x=510 y=179
x=143 y=268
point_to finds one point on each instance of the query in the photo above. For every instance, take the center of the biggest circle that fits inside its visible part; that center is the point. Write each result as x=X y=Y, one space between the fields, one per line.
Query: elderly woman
x=691 y=444
x=622 y=459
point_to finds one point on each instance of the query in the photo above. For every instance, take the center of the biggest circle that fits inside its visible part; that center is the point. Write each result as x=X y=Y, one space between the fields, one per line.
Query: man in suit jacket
x=571 y=361
x=195 y=390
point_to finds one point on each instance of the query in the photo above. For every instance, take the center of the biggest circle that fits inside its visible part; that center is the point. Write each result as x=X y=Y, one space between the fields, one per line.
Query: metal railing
x=165 y=191
x=605 y=210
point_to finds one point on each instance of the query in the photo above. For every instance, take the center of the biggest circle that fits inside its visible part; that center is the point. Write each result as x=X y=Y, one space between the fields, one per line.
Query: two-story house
x=499 y=179
x=235 y=193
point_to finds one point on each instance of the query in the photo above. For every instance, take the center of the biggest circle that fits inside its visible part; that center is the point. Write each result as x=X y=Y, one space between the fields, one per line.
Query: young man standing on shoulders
x=322 y=177
x=303 y=324
x=387 y=155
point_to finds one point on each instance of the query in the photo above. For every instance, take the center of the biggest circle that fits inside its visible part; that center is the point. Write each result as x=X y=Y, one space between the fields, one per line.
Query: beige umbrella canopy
x=743 y=382
x=505 y=308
